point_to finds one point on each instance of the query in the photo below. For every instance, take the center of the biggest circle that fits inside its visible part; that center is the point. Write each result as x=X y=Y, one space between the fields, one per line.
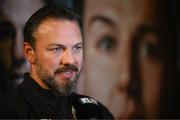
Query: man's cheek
x=79 y=63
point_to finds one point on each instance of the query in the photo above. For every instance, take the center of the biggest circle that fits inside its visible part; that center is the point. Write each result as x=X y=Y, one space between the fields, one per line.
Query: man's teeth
x=67 y=72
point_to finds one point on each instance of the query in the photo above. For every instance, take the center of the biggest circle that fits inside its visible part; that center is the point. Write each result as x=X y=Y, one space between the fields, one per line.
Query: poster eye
x=107 y=43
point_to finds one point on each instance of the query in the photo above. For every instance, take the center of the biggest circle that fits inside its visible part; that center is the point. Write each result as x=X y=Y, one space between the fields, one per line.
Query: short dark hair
x=49 y=11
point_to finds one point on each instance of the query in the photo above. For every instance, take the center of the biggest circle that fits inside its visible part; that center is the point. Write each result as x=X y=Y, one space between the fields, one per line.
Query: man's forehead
x=49 y=21
x=58 y=26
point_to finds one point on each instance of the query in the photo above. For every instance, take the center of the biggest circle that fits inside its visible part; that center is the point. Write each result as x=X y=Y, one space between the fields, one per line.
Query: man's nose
x=68 y=57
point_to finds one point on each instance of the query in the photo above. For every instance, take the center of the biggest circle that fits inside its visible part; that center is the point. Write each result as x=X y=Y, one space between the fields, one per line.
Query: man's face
x=58 y=54
x=123 y=59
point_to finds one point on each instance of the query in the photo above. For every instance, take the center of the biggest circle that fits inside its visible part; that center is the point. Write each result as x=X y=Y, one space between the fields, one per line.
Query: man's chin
x=64 y=87
x=64 y=90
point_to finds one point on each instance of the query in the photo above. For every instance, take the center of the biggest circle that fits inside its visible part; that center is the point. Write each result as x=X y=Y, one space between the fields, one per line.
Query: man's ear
x=29 y=52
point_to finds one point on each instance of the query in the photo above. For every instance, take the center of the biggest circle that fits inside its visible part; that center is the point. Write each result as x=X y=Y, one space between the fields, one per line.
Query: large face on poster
x=125 y=56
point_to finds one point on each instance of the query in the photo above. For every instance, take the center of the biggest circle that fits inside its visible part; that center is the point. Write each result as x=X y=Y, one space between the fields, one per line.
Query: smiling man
x=54 y=47
x=57 y=55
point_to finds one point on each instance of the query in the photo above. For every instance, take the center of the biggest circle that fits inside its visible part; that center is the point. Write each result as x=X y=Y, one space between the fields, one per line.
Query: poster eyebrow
x=103 y=19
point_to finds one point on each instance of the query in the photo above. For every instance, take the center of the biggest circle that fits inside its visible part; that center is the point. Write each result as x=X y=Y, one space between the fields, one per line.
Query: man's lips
x=66 y=74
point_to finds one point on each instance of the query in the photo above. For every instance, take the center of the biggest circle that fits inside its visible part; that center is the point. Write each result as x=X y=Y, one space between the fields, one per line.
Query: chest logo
x=88 y=100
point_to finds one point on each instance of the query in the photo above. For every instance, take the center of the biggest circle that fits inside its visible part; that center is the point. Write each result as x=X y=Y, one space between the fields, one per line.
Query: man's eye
x=57 y=50
x=107 y=43
x=77 y=47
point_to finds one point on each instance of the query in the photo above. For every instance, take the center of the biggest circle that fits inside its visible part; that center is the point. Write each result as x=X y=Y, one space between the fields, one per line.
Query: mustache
x=66 y=67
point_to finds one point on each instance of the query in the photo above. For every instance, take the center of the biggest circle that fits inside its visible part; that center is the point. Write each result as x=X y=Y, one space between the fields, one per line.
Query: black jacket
x=29 y=100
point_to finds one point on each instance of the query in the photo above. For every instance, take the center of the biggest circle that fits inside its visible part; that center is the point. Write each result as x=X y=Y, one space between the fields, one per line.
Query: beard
x=59 y=86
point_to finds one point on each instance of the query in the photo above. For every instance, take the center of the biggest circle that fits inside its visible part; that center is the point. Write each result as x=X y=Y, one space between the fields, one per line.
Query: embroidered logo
x=88 y=100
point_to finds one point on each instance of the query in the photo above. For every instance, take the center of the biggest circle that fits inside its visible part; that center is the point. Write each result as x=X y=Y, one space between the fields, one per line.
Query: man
x=130 y=57
x=53 y=45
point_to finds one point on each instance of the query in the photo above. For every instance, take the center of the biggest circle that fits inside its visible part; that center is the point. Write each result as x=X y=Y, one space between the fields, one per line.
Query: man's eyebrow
x=56 y=45
x=103 y=19
x=80 y=43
